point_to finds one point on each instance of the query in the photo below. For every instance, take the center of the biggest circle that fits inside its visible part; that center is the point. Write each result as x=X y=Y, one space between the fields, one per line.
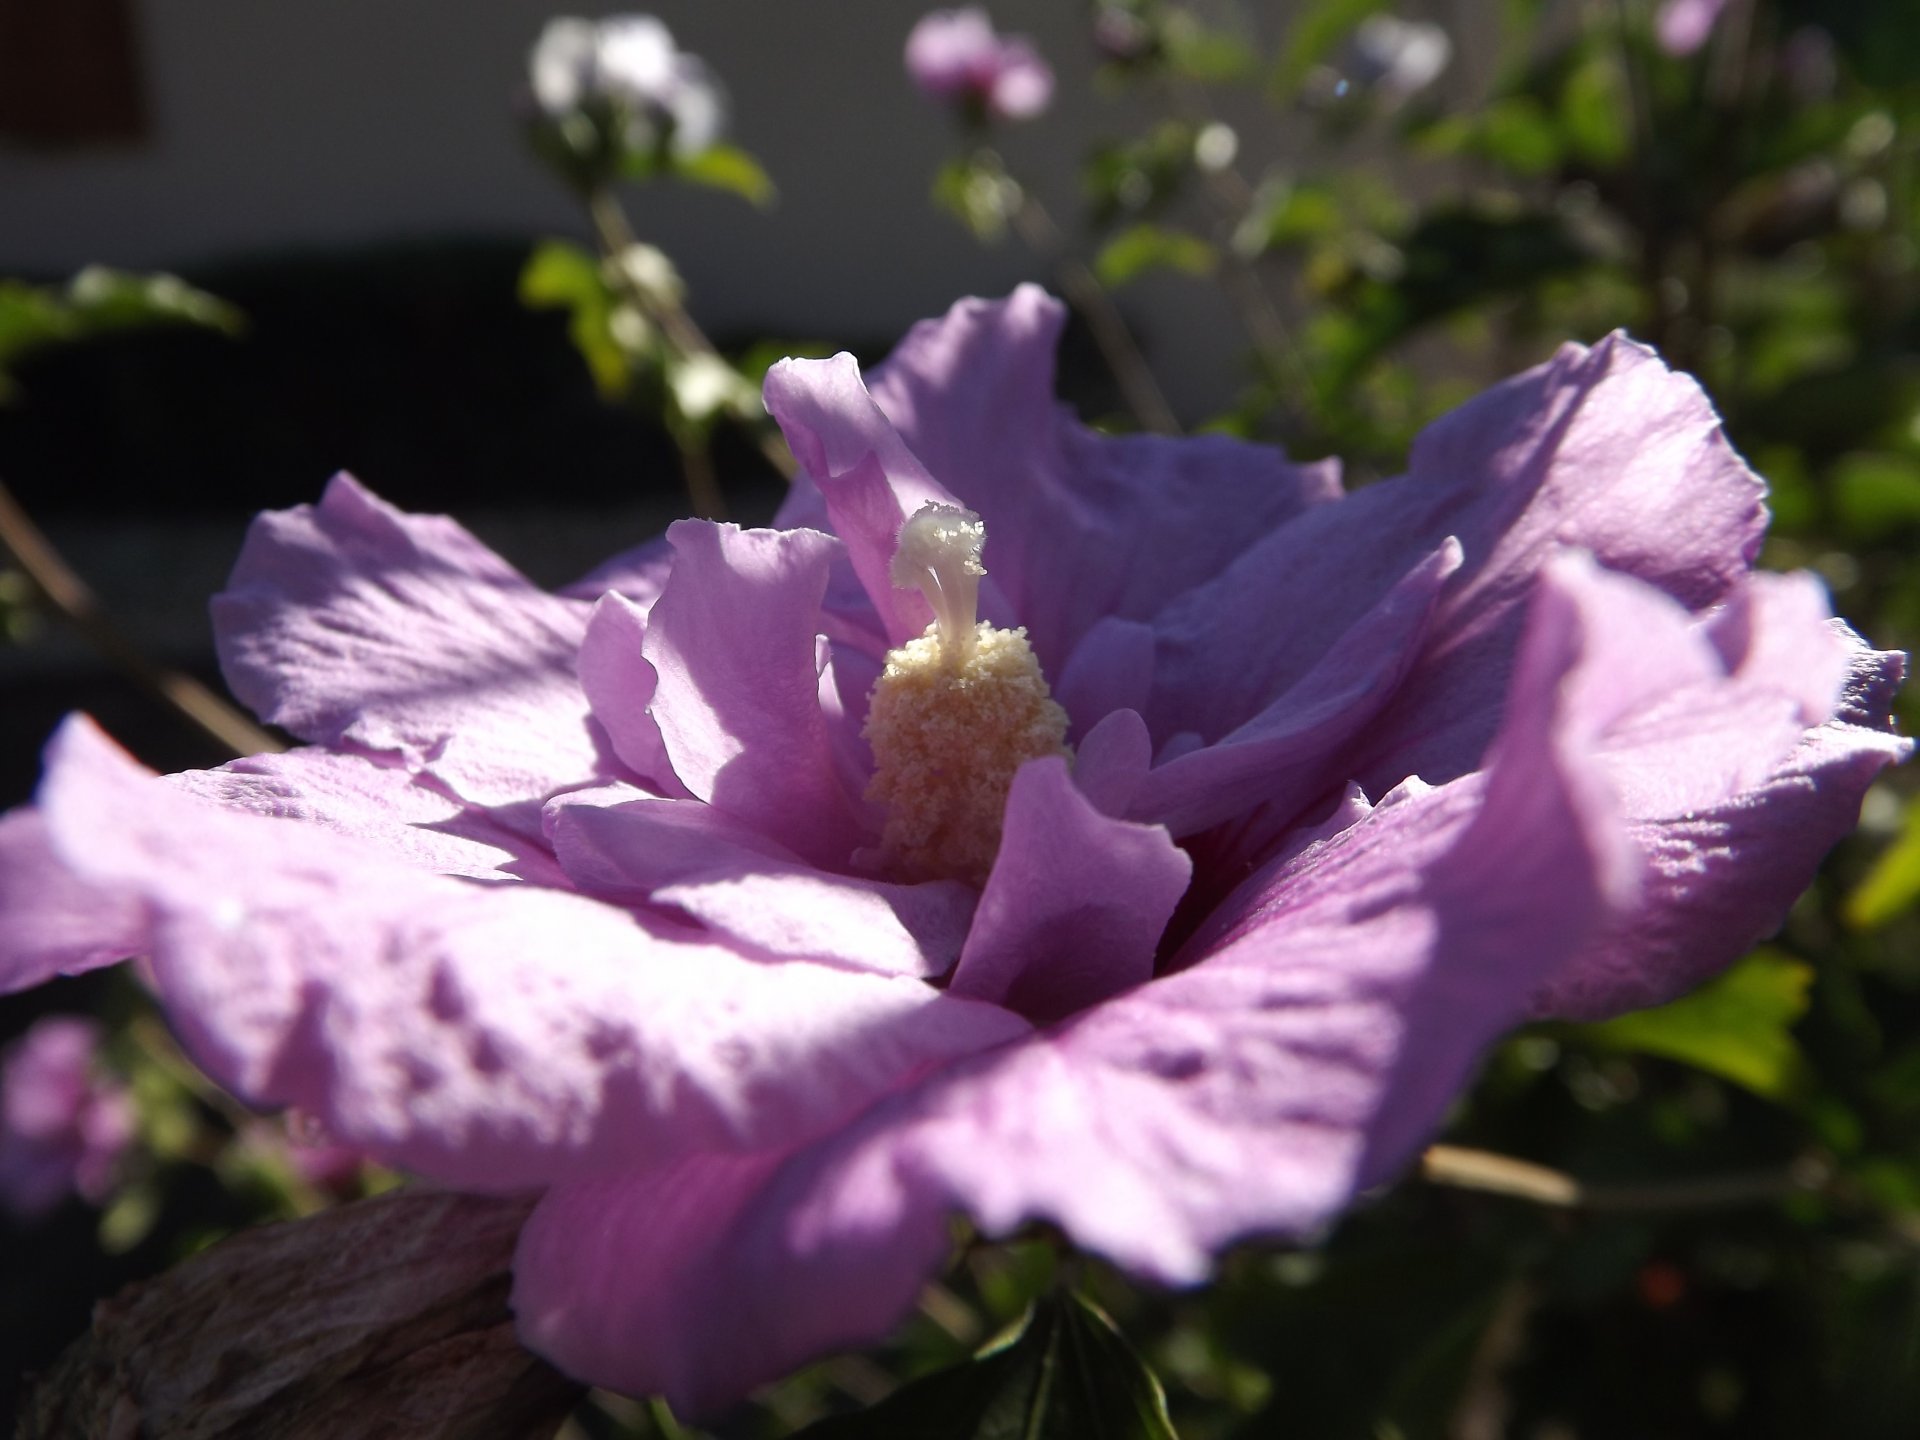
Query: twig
x=67 y=593
x=1230 y=195
x=1493 y=1174
x=616 y=236
x=1483 y=1407
x=1087 y=295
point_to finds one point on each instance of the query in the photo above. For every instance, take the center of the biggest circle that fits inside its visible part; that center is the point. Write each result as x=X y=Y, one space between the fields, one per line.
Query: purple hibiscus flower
x=1133 y=833
x=62 y=1127
x=958 y=57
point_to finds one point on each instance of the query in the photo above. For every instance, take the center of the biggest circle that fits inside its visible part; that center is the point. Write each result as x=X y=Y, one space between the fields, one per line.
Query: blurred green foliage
x=98 y=301
x=1065 y=1372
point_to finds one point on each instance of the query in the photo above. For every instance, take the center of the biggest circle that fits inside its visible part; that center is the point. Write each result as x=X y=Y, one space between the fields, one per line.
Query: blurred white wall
x=279 y=124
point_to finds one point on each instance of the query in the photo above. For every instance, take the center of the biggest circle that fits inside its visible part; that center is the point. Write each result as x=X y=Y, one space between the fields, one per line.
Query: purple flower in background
x=62 y=1128
x=1682 y=26
x=629 y=63
x=958 y=57
x=1133 y=833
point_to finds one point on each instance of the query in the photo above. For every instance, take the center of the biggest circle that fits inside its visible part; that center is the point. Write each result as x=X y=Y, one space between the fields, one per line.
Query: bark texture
x=383 y=1319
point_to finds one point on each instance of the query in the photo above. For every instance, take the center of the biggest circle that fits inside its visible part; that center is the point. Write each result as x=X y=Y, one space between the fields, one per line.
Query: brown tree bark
x=383 y=1319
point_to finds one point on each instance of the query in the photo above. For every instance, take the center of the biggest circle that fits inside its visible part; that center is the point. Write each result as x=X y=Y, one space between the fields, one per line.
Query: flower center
x=954 y=713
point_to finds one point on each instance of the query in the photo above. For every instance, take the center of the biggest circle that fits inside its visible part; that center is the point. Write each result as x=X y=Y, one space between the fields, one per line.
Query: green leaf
x=114 y=299
x=95 y=302
x=1594 y=108
x=1312 y=37
x=1206 y=55
x=559 y=273
x=728 y=167
x=1140 y=176
x=1145 y=246
x=129 y=1217
x=1737 y=1027
x=1876 y=495
x=1287 y=214
x=979 y=196
x=562 y=276
x=1893 y=885
x=1518 y=133
x=1066 y=1374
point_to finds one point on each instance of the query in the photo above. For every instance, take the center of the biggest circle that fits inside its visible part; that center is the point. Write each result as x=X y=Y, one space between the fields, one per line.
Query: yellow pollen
x=954 y=713
x=946 y=740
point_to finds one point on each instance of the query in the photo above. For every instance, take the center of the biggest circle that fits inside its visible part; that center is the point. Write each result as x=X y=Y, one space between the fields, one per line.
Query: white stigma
x=939 y=555
x=955 y=713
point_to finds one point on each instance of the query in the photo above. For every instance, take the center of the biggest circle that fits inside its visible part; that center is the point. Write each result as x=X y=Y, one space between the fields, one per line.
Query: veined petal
x=1080 y=525
x=746 y=889
x=1075 y=904
x=738 y=698
x=868 y=480
x=1603 y=449
x=1111 y=668
x=57 y=923
x=1731 y=798
x=1319 y=1039
x=378 y=802
x=1281 y=757
x=619 y=684
x=350 y=623
x=489 y=1037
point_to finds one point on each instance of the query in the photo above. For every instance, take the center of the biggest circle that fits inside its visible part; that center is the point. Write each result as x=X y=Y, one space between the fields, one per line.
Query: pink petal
x=1074 y=907
x=1602 y=449
x=738 y=700
x=1683 y=26
x=1282 y=756
x=1111 y=763
x=1111 y=668
x=494 y=1038
x=377 y=802
x=620 y=684
x=1022 y=83
x=1079 y=525
x=57 y=922
x=351 y=623
x=1732 y=799
x=1254 y=1093
x=868 y=479
x=737 y=883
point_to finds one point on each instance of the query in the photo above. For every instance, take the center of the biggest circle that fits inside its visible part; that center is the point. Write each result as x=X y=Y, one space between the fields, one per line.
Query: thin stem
x=696 y=466
x=1230 y=195
x=1484 y=1406
x=616 y=236
x=1646 y=215
x=66 y=592
x=1087 y=295
x=1270 y=334
x=1492 y=1174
